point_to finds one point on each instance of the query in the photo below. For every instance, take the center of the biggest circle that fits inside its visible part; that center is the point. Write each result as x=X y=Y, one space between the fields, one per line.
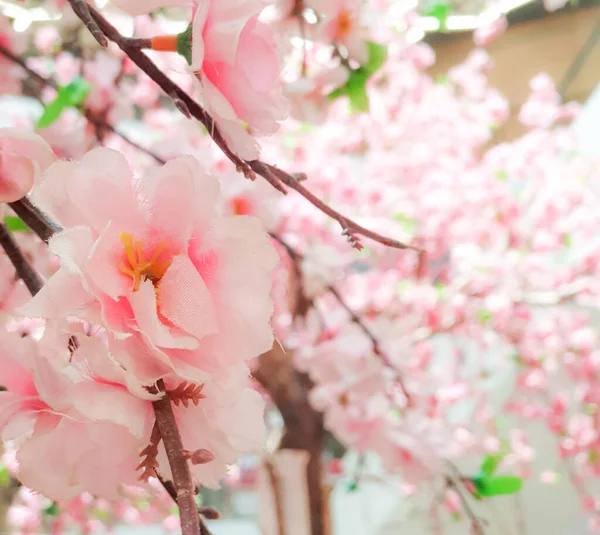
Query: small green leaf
x=442 y=79
x=441 y=12
x=51 y=510
x=377 y=57
x=75 y=93
x=498 y=486
x=501 y=175
x=356 y=89
x=2 y=388
x=4 y=476
x=72 y=95
x=198 y=499
x=352 y=486
x=484 y=315
x=184 y=44
x=15 y=224
x=567 y=240
x=490 y=464
x=51 y=113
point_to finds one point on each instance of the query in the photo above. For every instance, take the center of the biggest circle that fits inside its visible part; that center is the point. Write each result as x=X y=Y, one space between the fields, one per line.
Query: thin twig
x=34 y=218
x=82 y=10
x=87 y=113
x=296 y=258
x=24 y=269
x=275 y=176
x=182 y=477
x=452 y=483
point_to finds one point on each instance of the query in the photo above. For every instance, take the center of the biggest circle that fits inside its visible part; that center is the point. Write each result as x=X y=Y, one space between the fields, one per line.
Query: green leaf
x=51 y=510
x=490 y=464
x=567 y=240
x=377 y=57
x=501 y=174
x=184 y=44
x=75 y=93
x=2 y=388
x=4 y=476
x=51 y=113
x=498 y=486
x=15 y=224
x=355 y=87
x=352 y=486
x=359 y=100
x=442 y=79
x=484 y=315
x=441 y=12
x=72 y=95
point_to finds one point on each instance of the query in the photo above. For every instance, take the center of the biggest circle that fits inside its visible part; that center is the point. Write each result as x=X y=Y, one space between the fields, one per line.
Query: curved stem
x=24 y=270
x=182 y=477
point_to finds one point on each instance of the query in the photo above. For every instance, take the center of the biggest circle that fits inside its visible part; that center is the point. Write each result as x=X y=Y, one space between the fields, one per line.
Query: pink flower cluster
x=153 y=284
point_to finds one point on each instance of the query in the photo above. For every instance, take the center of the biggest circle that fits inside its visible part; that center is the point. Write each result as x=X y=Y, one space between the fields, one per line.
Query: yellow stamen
x=139 y=269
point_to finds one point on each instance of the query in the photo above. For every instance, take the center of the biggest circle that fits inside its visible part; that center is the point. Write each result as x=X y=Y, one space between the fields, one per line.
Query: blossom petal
x=185 y=300
x=143 y=303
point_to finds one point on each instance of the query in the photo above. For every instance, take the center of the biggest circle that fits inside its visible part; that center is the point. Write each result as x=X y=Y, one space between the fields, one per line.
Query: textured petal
x=63 y=295
x=143 y=303
x=165 y=195
x=103 y=186
x=103 y=264
x=97 y=402
x=185 y=300
x=237 y=137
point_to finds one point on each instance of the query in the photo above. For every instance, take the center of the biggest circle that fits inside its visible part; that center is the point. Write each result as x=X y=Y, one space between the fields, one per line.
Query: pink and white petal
x=97 y=402
x=185 y=300
x=141 y=358
x=63 y=295
x=237 y=137
x=244 y=293
x=52 y=473
x=105 y=190
x=243 y=422
x=105 y=470
x=198 y=28
x=165 y=195
x=102 y=266
x=72 y=246
x=52 y=194
x=357 y=48
x=144 y=306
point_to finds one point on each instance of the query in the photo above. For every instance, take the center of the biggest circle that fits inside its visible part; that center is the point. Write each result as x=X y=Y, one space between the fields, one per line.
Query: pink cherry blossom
x=237 y=63
x=340 y=24
x=177 y=285
x=23 y=157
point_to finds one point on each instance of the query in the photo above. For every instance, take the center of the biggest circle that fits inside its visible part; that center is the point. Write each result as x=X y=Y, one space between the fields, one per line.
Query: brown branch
x=24 y=270
x=182 y=477
x=275 y=176
x=87 y=113
x=34 y=218
x=476 y=525
x=82 y=10
x=296 y=258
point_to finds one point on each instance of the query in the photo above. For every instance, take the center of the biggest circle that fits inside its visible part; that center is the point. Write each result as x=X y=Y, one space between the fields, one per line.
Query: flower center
x=344 y=24
x=140 y=269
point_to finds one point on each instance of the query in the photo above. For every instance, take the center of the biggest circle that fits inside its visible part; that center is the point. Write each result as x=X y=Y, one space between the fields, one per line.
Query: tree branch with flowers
x=168 y=305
